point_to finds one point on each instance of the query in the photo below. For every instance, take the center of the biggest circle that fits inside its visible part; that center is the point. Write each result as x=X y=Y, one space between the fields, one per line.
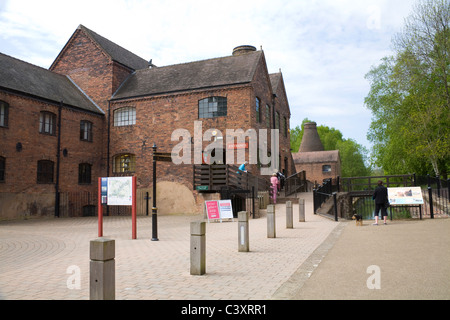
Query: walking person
x=380 y=196
x=274 y=185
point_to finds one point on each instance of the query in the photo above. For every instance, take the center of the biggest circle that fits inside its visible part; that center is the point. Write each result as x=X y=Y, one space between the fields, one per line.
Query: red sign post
x=103 y=199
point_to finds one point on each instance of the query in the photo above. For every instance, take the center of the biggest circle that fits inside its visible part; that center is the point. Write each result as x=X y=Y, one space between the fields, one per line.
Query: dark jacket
x=380 y=195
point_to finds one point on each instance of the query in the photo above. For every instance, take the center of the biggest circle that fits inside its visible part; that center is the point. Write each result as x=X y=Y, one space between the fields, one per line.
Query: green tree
x=409 y=95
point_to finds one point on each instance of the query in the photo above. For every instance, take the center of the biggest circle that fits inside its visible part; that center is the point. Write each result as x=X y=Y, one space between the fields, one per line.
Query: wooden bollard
x=243 y=237
x=289 y=216
x=102 y=282
x=301 y=210
x=198 y=248
x=271 y=233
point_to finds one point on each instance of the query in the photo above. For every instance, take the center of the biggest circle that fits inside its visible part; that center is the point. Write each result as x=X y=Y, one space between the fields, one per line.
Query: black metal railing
x=295 y=183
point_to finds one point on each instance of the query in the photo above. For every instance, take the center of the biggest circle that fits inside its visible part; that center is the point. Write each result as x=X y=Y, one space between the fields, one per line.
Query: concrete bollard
x=243 y=237
x=198 y=248
x=289 y=216
x=301 y=210
x=102 y=275
x=271 y=232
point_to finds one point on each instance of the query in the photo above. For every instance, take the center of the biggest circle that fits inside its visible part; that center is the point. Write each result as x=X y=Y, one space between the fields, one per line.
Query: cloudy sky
x=324 y=48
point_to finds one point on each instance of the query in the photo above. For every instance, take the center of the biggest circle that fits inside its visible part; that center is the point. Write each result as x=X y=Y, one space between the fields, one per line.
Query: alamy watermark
x=74 y=280
x=374 y=281
x=257 y=146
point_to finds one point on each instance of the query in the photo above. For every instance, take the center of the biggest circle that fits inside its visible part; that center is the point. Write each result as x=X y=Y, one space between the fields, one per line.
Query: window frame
x=124 y=116
x=206 y=107
x=258 y=110
x=45 y=175
x=86 y=130
x=45 y=126
x=328 y=167
x=84 y=173
x=119 y=163
x=2 y=169
x=4 y=114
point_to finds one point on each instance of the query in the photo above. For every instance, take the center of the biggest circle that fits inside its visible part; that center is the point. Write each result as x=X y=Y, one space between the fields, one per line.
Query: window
x=47 y=123
x=212 y=107
x=2 y=169
x=326 y=168
x=124 y=163
x=84 y=173
x=4 y=112
x=125 y=117
x=45 y=171
x=86 y=130
x=258 y=110
x=277 y=120
x=268 y=116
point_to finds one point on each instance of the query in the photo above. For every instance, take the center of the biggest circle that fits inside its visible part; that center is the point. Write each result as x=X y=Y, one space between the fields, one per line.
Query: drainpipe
x=58 y=160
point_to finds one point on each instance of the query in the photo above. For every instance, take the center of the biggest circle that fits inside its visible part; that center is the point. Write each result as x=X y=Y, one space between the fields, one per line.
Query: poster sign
x=219 y=209
x=212 y=210
x=405 y=196
x=225 y=209
x=120 y=191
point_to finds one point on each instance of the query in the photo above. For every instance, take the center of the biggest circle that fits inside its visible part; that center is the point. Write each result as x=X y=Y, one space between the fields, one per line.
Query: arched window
x=124 y=163
x=258 y=110
x=125 y=116
x=212 y=107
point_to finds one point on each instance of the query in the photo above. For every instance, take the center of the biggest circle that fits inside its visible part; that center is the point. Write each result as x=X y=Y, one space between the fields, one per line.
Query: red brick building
x=104 y=107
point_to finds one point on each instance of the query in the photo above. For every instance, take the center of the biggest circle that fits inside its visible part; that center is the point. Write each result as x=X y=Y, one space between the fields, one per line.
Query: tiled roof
x=190 y=76
x=23 y=77
x=116 y=52
x=316 y=156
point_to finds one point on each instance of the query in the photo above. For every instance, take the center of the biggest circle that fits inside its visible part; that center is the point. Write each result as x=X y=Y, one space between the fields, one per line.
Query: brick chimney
x=310 y=141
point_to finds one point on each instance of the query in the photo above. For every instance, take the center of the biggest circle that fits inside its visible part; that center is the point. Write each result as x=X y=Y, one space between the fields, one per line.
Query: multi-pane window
x=84 y=173
x=2 y=169
x=47 y=123
x=45 y=171
x=124 y=163
x=326 y=168
x=212 y=107
x=258 y=110
x=4 y=112
x=86 y=130
x=125 y=116
x=268 y=116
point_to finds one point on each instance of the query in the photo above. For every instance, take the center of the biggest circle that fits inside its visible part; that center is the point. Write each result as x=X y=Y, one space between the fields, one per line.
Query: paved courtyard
x=39 y=257
x=317 y=259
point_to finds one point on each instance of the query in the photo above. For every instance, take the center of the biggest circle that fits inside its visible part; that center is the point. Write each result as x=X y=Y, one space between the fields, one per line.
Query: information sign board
x=405 y=196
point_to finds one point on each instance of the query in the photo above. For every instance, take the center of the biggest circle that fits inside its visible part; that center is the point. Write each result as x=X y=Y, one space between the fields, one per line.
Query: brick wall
x=21 y=166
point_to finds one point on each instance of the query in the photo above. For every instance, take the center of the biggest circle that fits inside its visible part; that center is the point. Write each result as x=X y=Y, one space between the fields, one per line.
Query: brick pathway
x=35 y=256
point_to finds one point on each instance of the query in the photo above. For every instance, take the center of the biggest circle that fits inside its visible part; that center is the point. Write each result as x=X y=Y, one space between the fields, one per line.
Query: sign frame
x=219 y=210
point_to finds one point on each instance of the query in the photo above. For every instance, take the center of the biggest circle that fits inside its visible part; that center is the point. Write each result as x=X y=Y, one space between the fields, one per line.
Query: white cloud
x=323 y=47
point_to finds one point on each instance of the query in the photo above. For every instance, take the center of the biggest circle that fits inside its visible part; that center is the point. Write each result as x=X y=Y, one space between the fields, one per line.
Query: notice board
x=219 y=209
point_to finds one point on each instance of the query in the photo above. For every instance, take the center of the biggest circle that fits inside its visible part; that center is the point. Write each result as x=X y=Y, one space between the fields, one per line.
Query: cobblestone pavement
x=39 y=258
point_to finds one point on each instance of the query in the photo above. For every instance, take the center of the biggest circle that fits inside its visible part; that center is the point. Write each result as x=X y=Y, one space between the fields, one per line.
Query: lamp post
x=154 y=209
